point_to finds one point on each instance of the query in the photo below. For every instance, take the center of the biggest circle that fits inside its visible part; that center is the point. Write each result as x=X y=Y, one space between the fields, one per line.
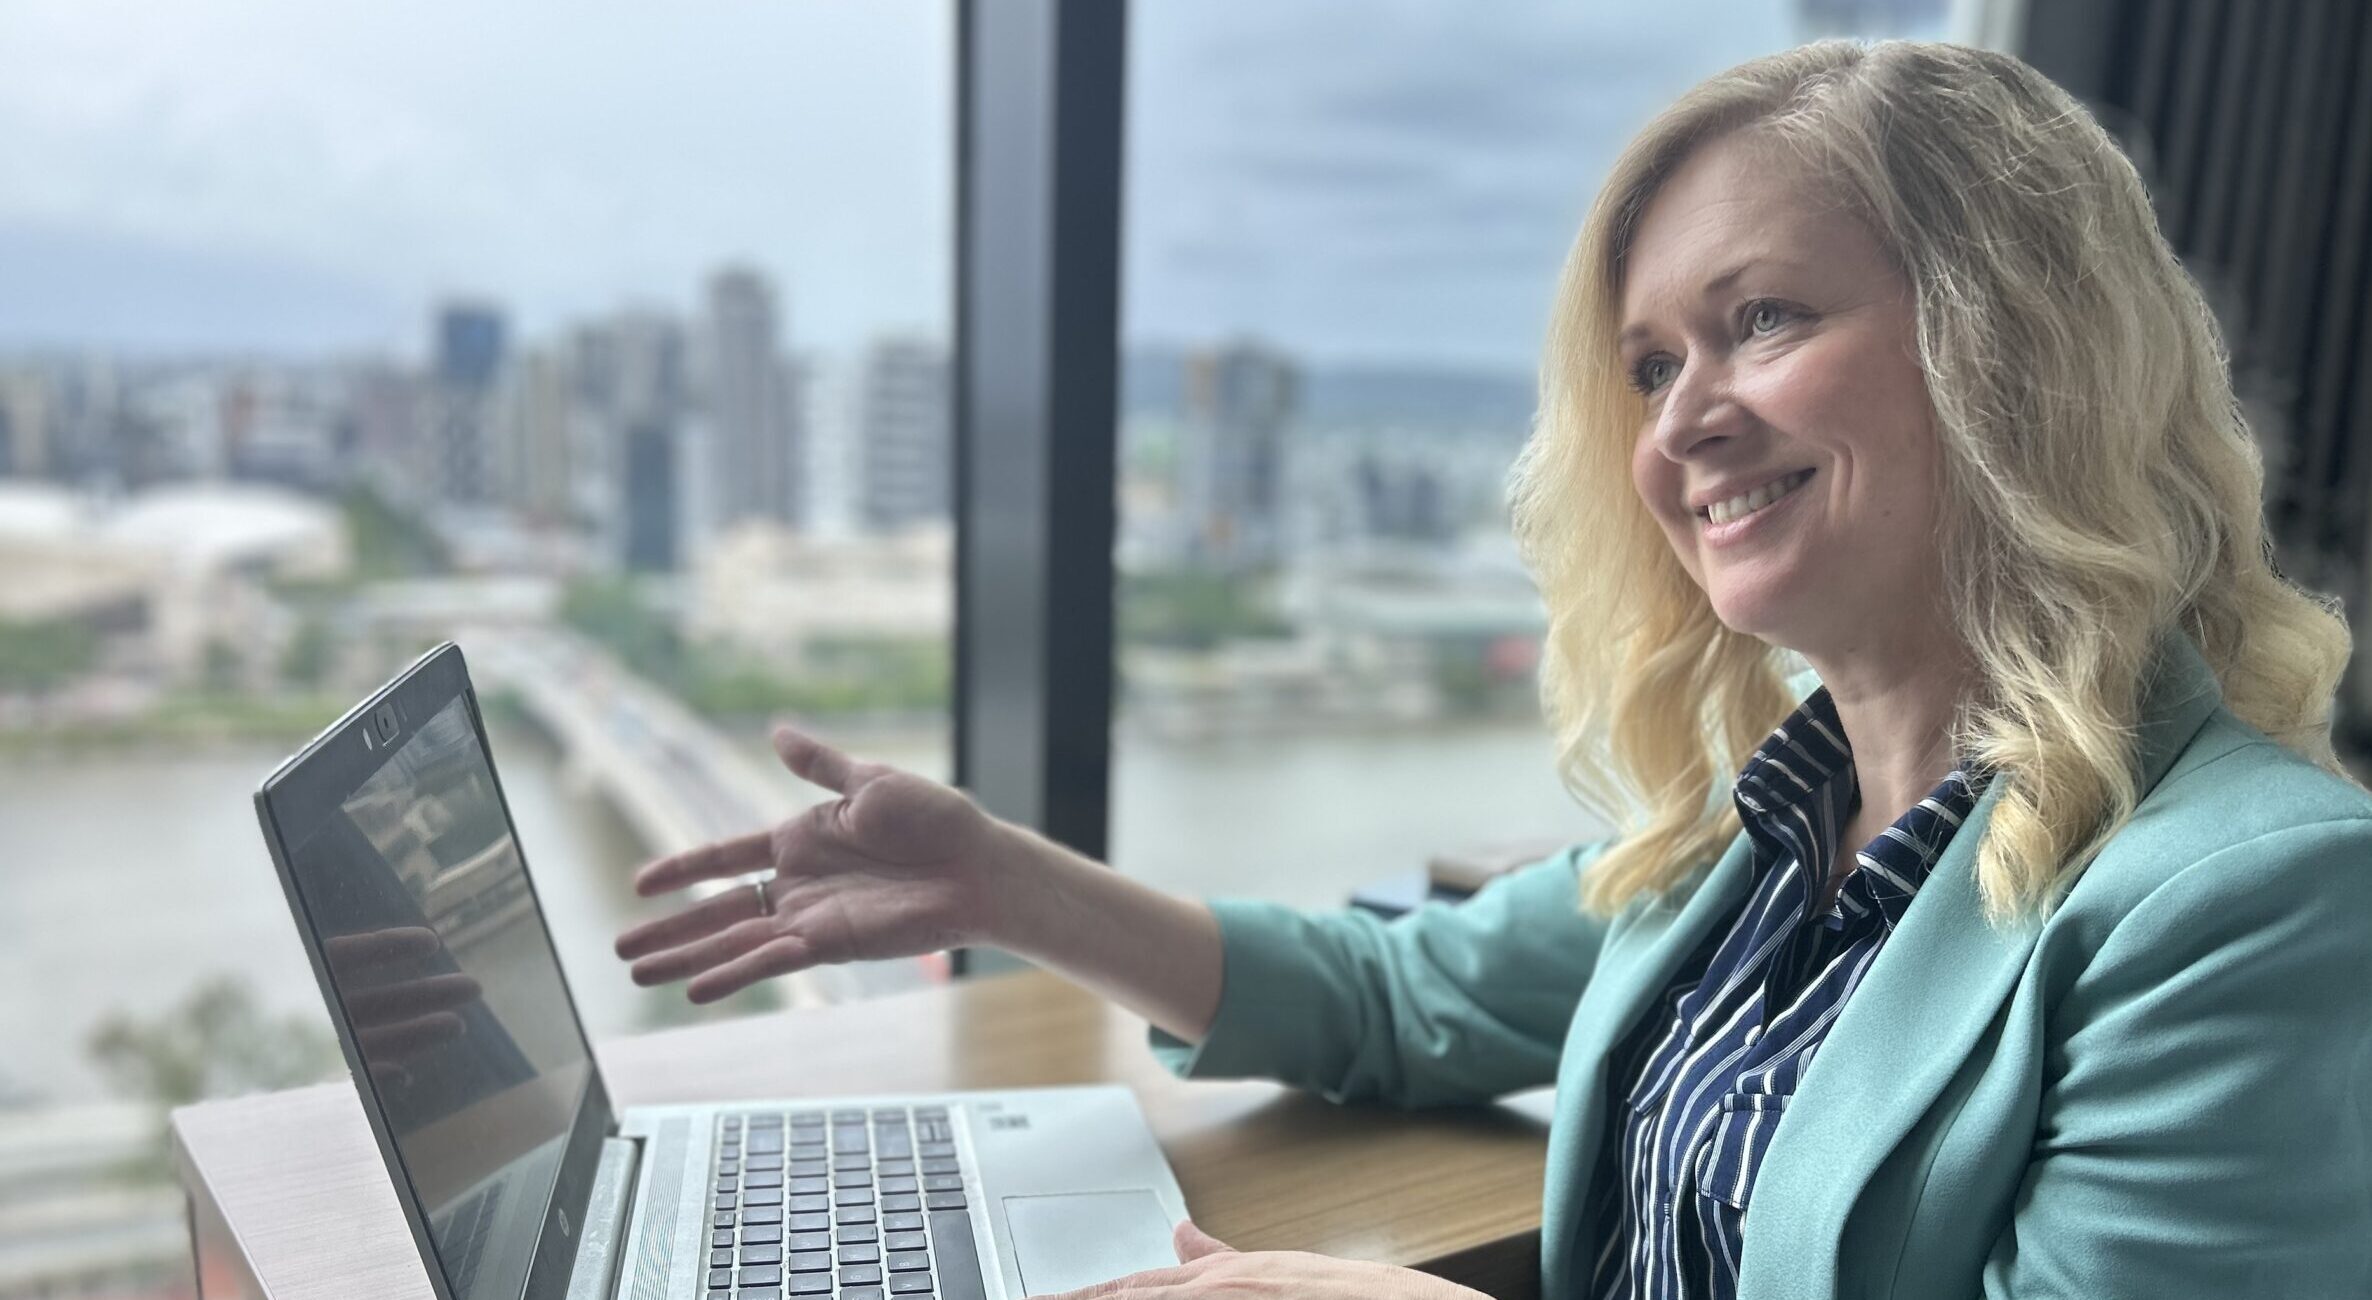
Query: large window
x=1345 y=223
x=611 y=342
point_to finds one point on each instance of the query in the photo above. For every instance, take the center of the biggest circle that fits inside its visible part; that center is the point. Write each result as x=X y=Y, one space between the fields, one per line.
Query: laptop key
x=911 y=1284
x=760 y=1255
x=863 y=1293
x=903 y=1241
x=959 y=1259
x=725 y=1200
x=908 y=1261
x=940 y=1165
x=768 y=1234
x=721 y=1219
x=756 y=1293
x=906 y=1202
x=810 y=1204
x=807 y=1284
x=808 y=1241
x=720 y=1277
x=853 y=1214
x=856 y=1274
x=945 y=1200
x=895 y=1185
x=855 y=1232
x=807 y=1223
x=720 y=1258
x=943 y=1183
x=761 y=1214
x=761 y=1275
x=754 y=1196
x=860 y=1254
x=809 y=1261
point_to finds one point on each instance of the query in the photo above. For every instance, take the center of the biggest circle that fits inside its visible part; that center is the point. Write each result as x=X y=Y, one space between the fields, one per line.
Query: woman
x=2026 y=955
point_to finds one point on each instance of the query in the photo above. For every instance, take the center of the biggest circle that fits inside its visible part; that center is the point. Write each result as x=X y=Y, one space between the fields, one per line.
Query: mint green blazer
x=2163 y=1091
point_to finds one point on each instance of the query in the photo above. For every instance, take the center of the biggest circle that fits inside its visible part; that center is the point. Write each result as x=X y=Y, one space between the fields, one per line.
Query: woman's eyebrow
x=1638 y=330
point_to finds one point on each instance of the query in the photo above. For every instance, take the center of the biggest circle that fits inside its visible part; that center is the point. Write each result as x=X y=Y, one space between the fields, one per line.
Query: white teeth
x=1738 y=507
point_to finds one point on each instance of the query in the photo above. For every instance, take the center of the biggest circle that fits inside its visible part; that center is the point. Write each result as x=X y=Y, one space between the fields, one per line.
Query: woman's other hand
x=897 y=866
x=1209 y=1269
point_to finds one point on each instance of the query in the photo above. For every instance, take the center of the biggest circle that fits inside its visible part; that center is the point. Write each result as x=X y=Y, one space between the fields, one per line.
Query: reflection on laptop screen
x=450 y=987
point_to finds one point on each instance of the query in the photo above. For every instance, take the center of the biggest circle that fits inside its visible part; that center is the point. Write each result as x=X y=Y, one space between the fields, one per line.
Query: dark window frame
x=1034 y=398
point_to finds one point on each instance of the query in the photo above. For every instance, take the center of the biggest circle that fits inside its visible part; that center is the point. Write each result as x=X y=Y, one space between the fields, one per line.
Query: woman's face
x=1788 y=445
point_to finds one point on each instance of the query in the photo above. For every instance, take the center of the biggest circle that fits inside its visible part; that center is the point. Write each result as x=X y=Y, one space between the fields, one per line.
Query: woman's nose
x=1698 y=410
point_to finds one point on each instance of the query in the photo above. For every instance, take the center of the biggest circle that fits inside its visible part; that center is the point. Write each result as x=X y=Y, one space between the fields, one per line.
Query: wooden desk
x=288 y=1196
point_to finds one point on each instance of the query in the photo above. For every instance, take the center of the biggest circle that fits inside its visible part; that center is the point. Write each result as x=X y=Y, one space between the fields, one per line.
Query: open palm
x=894 y=867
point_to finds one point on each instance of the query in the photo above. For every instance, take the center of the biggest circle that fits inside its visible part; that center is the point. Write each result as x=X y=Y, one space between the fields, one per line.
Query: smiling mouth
x=1749 y=503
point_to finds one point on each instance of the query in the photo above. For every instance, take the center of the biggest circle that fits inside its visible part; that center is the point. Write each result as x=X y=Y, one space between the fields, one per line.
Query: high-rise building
x=755 y=454
x=903 y=441
x=539 y=458
x=462 y=462
x=25 y=417
x=651 y=509
x=1240 y=397
x=469 y=345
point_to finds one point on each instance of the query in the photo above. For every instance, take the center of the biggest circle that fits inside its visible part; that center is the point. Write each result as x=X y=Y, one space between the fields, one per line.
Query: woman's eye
x=1648 y=375
x=1759 y=312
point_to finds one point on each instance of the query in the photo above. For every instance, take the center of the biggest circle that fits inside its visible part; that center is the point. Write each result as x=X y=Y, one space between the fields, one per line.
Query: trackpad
x=1067 y=1242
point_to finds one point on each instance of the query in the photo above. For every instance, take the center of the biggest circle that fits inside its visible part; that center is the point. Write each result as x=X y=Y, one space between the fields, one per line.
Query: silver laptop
x=409 y=885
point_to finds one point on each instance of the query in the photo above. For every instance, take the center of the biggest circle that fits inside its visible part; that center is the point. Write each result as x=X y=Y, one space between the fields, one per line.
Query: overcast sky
x=1355 y=179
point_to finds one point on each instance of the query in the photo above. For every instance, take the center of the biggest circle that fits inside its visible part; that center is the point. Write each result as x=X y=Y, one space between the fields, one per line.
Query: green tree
x=611 y=611
x=306 y=661
x=38 y=657
x=218 y=1041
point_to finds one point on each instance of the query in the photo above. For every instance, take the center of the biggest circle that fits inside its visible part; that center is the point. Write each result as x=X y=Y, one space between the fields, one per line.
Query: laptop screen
x=453 y=997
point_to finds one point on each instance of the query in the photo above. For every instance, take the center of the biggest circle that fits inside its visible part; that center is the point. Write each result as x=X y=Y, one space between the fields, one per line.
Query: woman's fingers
x=355 y=952
x=700 y=954
x=813 y=761
x=675 y=929
x=732 y=857
x=779 y=956
x=1193 y=1243
x=404 y=999
x=405 y=1039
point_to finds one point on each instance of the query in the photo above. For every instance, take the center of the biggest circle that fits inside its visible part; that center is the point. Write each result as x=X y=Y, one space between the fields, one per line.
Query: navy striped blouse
x=1700 y=1088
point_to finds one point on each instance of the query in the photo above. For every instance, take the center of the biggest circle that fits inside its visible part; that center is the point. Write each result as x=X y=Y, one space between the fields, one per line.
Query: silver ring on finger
x=765 y=900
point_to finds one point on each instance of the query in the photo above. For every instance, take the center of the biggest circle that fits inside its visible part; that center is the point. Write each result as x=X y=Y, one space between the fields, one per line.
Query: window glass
x=608 y=340
x=1345 y=222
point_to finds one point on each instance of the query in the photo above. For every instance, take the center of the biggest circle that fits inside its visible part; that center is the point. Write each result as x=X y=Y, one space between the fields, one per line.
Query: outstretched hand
x=1210 y=1269
x=897 y=866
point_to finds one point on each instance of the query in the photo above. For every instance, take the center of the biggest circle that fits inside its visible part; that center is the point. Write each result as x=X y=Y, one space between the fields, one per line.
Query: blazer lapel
x=1640 y=957
x=1911 y=1024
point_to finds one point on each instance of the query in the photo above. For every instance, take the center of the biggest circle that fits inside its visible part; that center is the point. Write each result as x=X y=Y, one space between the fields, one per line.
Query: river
x=126 y=878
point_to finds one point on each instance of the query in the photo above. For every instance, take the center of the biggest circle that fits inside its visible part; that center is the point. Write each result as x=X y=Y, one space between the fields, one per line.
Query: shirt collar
x=1798 y=791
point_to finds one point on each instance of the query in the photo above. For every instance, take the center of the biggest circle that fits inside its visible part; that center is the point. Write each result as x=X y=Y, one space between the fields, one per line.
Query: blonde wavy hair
x=2100 y=485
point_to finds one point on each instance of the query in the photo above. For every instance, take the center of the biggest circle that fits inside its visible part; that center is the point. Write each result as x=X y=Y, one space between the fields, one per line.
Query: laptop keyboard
x=855 y=1204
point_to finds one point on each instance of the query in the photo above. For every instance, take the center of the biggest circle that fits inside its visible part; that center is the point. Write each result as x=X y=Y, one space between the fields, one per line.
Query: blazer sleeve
x=1452 y=1003
x=2206 y=1120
